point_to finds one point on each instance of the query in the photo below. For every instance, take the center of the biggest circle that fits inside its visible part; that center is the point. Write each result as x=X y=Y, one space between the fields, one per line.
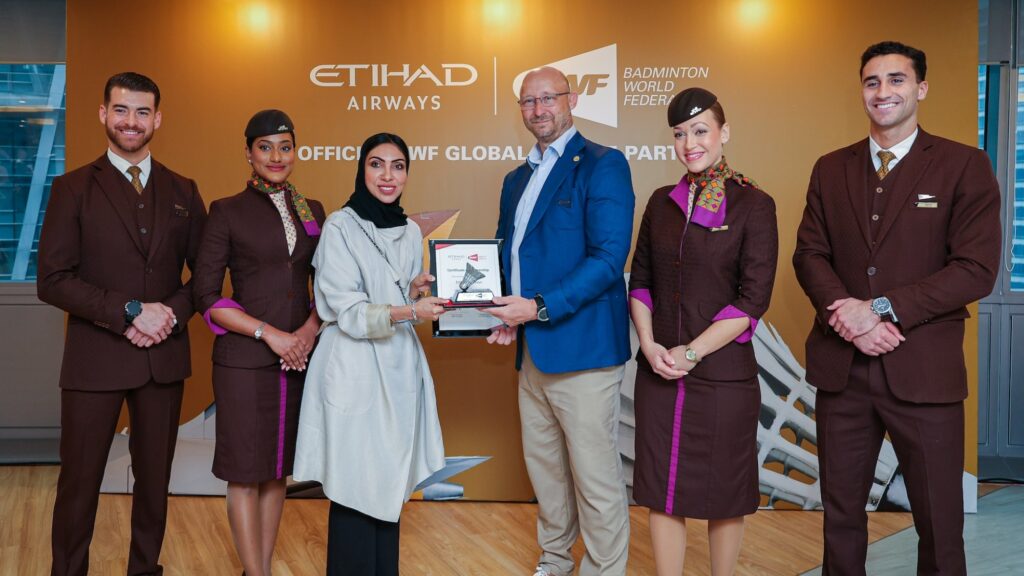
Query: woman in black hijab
x=369 y=431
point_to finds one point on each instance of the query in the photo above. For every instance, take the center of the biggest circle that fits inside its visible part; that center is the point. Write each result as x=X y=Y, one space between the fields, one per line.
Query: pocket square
x=925 y=196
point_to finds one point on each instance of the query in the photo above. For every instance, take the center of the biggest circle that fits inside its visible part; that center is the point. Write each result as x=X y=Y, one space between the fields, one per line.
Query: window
x=31 y=155
x=1013 y=258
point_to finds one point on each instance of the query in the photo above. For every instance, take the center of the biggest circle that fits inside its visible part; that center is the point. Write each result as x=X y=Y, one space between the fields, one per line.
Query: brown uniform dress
x=696 y=450
x=257 y=403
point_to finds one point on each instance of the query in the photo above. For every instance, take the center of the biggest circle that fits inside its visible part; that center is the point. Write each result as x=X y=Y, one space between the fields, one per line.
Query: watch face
x=542 y=315
x=134 y=308
x=881 y=305
x=691 y=355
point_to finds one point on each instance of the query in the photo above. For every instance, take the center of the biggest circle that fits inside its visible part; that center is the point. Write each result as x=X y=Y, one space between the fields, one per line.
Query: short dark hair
x=132 y=81
x=383 y=138
x=917 y=57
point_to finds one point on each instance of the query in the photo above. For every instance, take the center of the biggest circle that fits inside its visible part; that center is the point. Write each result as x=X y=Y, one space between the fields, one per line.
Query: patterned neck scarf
x=298 y=200
x=709 y=187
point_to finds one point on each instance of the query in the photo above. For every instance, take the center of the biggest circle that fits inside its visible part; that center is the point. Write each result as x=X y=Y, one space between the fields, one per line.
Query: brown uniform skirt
x=696 y=446
x=257 y=421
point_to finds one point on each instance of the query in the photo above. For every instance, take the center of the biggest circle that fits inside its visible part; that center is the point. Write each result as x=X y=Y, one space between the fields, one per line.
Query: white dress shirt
x=123 y=165
x=900 y=150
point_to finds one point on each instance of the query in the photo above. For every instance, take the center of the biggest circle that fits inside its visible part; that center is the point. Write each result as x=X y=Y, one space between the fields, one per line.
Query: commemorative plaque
x=467 y=273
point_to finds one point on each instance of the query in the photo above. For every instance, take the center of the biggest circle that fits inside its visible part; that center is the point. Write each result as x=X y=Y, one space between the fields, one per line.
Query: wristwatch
x=258 y=334
x=882 y=307
x=542 y=309
x=132 y=310
x=691 y=355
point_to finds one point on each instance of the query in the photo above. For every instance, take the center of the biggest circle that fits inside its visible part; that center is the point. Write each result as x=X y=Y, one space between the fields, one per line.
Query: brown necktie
x=885 y=156
x=137 y=183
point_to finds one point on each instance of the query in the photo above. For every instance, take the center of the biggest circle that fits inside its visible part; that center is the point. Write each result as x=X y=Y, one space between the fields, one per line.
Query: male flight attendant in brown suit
x=116 y=235
x=901 y=231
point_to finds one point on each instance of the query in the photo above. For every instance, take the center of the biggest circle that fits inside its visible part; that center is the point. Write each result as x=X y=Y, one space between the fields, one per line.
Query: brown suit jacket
x=91 y=263
x=693 y=276
x=245 y=234
x=930 y=262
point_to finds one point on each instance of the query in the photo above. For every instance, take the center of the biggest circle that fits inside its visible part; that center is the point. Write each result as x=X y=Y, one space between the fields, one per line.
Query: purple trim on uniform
x=677 y=424
x=730 y=312
x=280 y=424
x=643 y=295
x=681 y=194
x=708 y=219
x=312 y=228
x=222 y=303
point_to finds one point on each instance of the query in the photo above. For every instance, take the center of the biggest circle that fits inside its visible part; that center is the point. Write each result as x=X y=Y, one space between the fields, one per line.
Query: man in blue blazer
x=567 y=220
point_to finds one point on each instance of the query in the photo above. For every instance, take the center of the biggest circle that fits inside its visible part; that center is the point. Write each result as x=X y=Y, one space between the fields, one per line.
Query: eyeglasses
x=545 y=100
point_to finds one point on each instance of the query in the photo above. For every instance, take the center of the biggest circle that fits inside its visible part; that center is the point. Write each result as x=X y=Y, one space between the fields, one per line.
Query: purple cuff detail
x=644 y=296
x=222 y=303
x=730 y=312
x=681 y=194
x=312 y=228
x=707 y=218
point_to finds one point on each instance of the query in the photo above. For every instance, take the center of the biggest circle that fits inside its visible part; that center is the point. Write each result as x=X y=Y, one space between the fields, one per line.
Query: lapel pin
x=576 y=158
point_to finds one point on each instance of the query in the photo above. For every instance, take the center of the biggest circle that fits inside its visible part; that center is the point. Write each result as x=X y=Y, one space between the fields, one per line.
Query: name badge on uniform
x=180 y=210
x=719 y=228
x=926 y=201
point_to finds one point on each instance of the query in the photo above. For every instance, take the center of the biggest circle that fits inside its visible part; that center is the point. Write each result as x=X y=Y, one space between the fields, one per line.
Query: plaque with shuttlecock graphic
x=467 y=273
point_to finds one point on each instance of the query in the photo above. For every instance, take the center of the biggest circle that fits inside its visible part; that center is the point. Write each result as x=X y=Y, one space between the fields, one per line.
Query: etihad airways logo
x=594 y=76
x=385 y=75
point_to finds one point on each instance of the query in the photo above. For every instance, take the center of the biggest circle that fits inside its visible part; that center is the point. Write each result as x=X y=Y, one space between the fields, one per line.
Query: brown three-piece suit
x=927 y=236
x=103 y=244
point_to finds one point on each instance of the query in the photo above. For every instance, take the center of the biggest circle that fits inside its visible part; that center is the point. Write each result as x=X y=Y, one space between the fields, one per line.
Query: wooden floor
x=438 y=538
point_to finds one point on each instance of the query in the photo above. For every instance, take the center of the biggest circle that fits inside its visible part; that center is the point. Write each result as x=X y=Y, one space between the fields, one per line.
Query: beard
x=123 y=144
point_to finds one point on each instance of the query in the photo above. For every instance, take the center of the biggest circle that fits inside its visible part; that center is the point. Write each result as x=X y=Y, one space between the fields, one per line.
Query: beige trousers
x=570 y=425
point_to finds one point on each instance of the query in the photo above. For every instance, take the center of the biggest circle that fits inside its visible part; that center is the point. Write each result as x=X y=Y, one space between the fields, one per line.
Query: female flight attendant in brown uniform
x=266 y=236
x=702 y=276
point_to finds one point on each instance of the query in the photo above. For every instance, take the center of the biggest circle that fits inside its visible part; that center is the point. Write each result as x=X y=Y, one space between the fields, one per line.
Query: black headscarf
x=366 y=204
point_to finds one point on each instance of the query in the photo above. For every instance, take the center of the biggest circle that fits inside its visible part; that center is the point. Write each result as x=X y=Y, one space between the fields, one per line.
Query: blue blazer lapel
x=568 y=162
x=508 y=222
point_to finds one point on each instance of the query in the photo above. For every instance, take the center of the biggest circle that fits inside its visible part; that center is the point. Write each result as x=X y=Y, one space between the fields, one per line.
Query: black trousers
x=360 y=545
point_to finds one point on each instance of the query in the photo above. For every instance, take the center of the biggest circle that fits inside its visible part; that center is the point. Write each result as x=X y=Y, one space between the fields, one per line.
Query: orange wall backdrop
x=785 y=71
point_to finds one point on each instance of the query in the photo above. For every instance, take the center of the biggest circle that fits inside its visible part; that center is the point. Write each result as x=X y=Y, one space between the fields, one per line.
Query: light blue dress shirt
x=542 y=165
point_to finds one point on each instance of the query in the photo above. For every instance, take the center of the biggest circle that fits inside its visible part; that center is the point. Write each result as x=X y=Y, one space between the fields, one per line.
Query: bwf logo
x=594 y=76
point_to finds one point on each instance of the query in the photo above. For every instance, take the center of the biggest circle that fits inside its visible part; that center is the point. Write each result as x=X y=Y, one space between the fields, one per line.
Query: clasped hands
x=669 y=364
x=152 y=326
x=855 y=322
x=292 y=347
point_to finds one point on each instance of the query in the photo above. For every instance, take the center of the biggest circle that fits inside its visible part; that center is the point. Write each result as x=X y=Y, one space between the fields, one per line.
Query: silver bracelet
x=414 y=317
